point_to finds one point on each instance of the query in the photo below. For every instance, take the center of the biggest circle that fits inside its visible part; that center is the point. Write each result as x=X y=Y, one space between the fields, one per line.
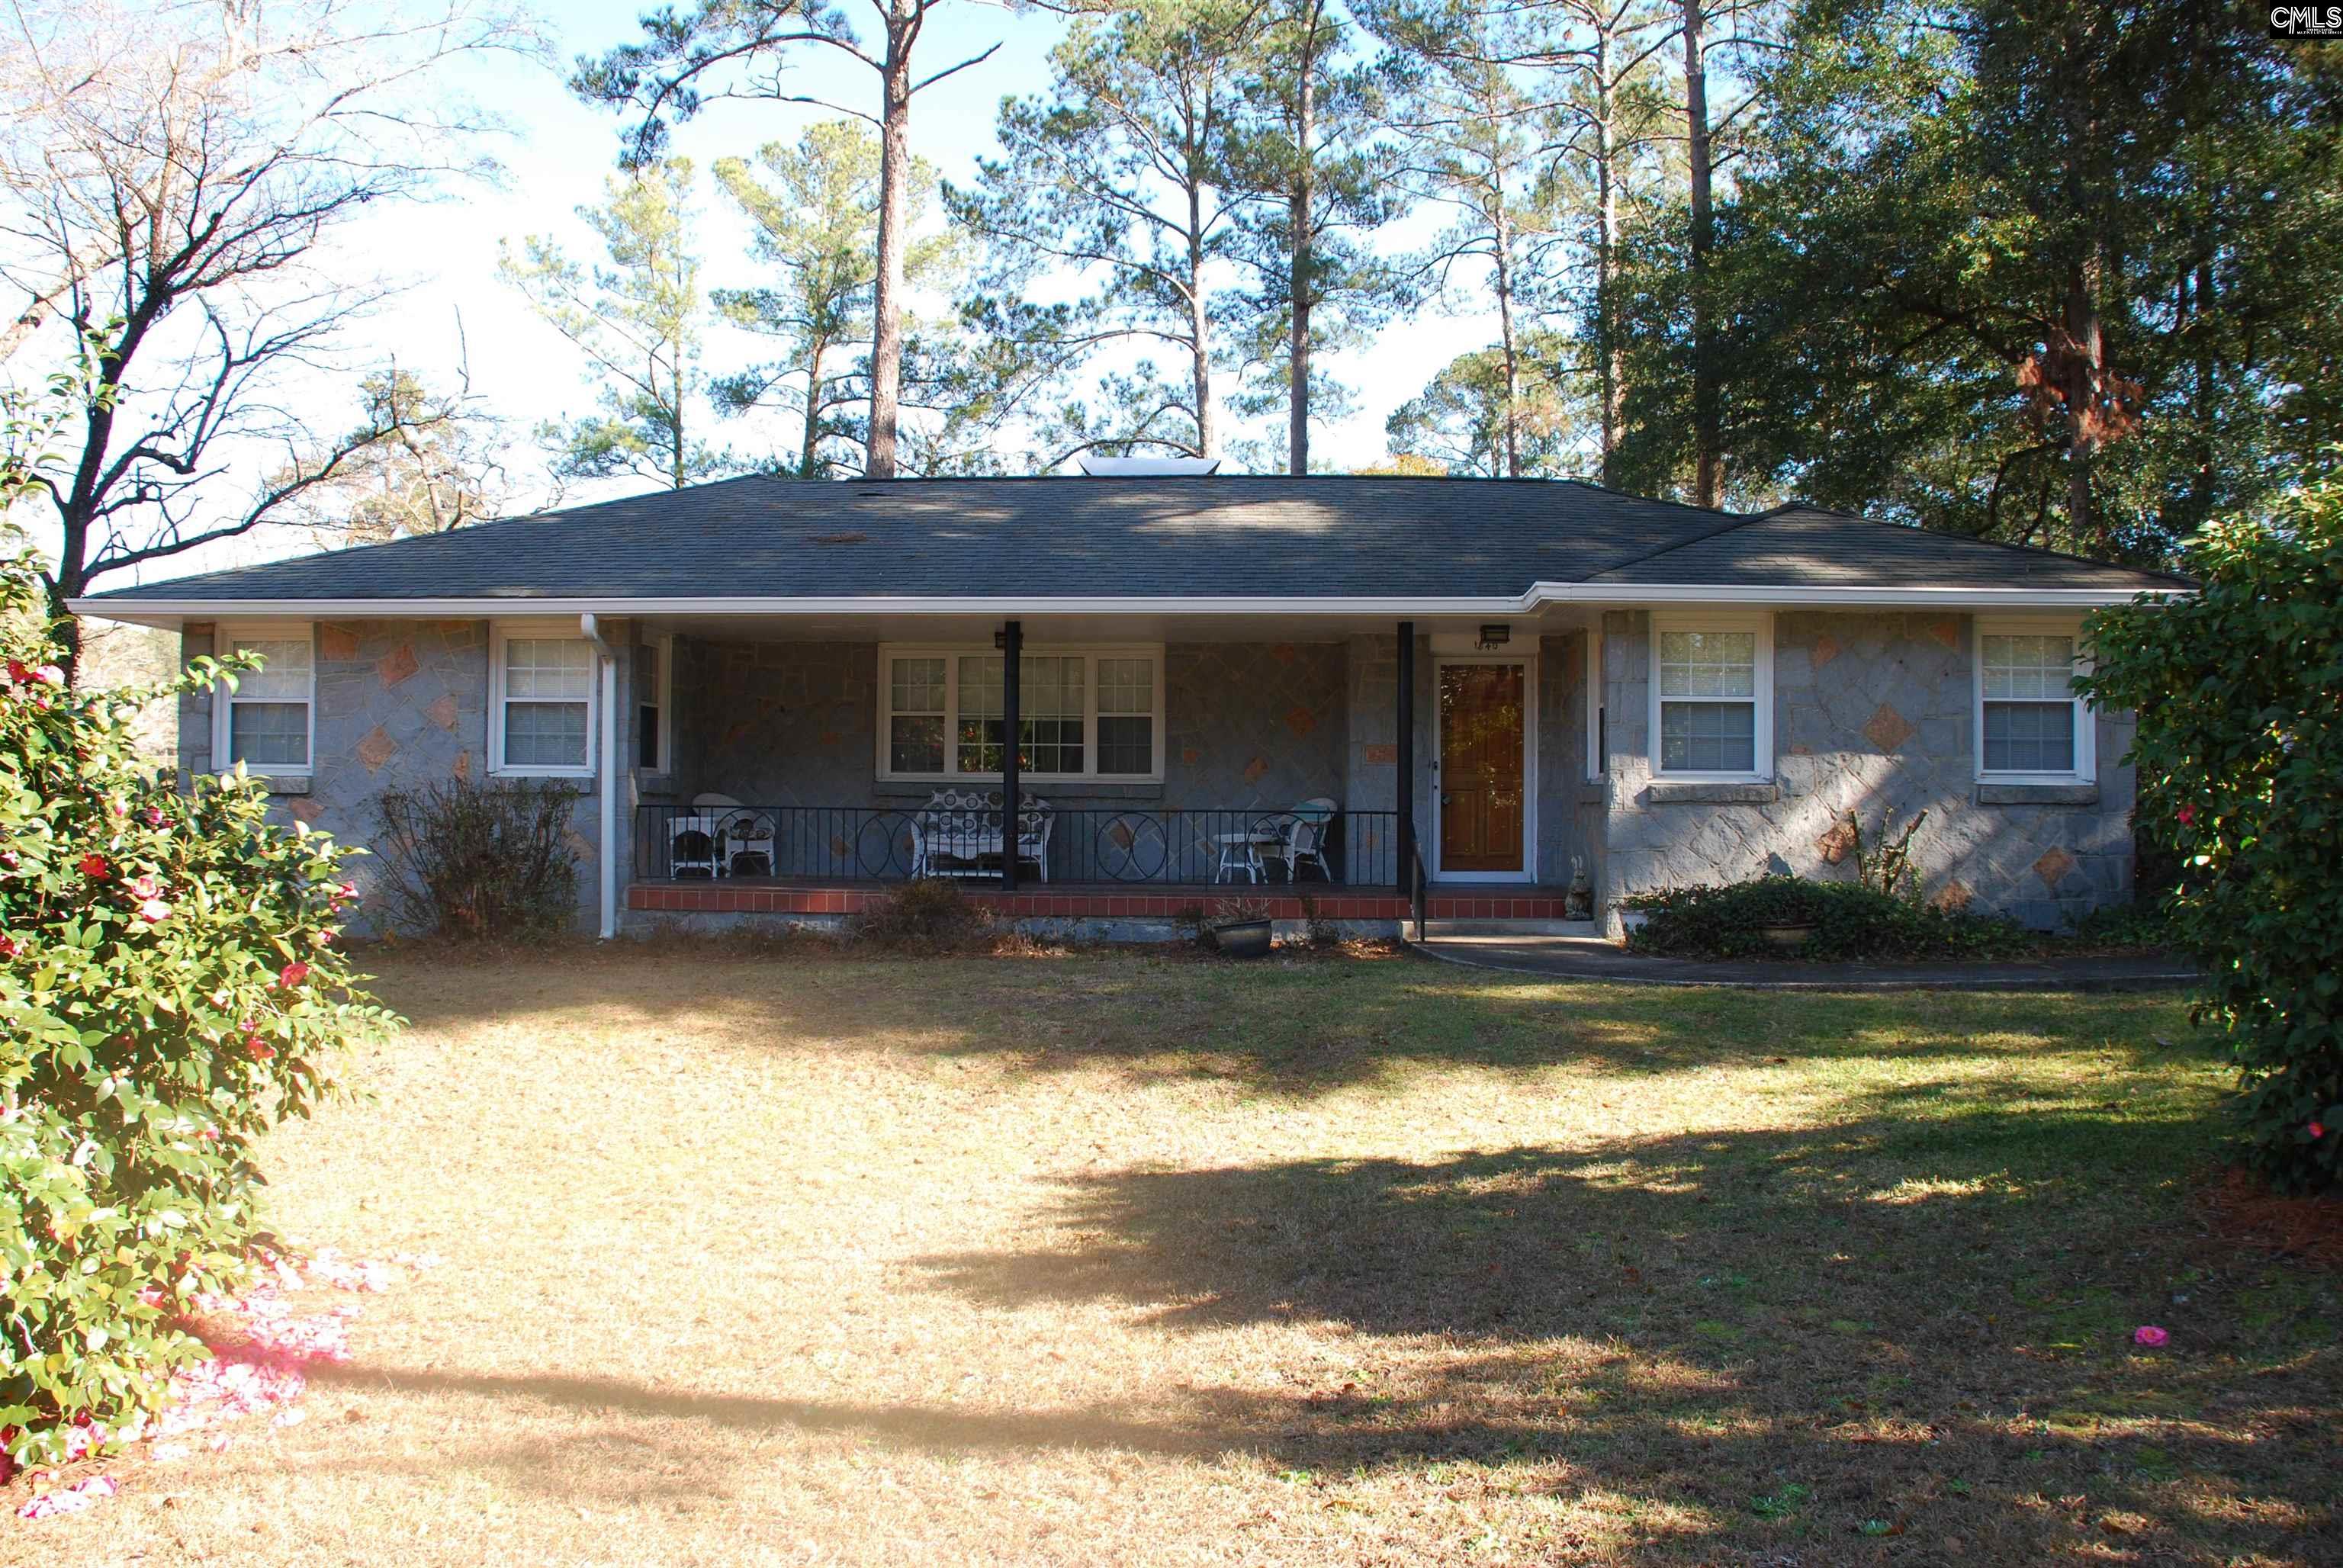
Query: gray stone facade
x=398 y=704
x=1872 y=714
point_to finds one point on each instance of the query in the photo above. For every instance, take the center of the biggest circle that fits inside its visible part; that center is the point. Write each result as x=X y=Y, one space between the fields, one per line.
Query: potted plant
x=1784 y=915
x=1240 y=927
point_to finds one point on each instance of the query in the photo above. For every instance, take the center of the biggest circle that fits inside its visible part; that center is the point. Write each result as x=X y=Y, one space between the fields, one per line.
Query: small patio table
x=1240 y=854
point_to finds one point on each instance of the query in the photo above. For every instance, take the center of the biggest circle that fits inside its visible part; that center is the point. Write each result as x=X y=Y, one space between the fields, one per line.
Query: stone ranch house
x=774 y=699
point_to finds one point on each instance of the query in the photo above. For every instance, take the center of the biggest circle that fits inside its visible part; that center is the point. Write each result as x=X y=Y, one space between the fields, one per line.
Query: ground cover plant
x=1850 y=920
x=1059 y=1260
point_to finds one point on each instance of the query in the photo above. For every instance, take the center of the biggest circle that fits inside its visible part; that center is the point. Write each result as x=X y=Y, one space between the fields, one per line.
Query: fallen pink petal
x=71 y=1499
x=2149 y=1334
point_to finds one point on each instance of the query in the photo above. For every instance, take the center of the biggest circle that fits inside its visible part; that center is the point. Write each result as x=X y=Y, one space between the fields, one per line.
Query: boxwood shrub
x=1850 y=922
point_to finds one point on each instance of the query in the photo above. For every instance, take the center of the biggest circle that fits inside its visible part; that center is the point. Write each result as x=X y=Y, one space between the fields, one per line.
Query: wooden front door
x=1481 y=772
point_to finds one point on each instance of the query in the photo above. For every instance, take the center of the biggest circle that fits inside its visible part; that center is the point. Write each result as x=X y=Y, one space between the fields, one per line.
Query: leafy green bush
x=1849 y=921
x=483 y=861
x=170 y=990
x=2239 y=694
x=932 y=912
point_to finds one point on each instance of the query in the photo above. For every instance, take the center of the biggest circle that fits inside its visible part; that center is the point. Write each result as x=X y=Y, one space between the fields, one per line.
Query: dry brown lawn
x=1124 y=1259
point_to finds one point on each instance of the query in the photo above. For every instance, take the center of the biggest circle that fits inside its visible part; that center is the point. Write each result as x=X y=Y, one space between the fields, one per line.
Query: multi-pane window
x=266 y=722
x=915 y=726
x=1079 y=714
x=2030 y=722
x=546 y=700
x=1126 y=716
x=1711 y=695
x=653 y=678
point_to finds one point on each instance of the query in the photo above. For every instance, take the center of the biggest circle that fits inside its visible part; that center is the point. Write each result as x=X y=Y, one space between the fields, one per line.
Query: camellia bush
x=170 y=990
x=2239 y=694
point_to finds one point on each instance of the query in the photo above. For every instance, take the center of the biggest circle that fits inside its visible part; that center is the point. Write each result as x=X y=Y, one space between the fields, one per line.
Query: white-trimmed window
x=268 y=722
x=2032 y=726
x=1083 y=713
x=541 y=703
x=655 y=704
x=1713 y=696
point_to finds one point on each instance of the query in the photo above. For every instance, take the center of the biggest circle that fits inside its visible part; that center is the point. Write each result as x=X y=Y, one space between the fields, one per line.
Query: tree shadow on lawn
x=1309 y=1029
x=1776 y=1339
x=1887 y=1319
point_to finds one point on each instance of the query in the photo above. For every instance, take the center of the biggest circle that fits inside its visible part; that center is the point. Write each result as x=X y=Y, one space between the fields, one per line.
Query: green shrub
x=170 y=990
x=486 y=861
x=2240 y=750
x=929 y=912
x=1850 y=922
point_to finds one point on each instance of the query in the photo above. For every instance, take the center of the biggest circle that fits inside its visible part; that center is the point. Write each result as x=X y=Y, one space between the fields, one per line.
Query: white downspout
x=608 y=858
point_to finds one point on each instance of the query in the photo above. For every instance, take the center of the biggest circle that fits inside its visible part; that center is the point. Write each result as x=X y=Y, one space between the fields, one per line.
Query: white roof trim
x=1627 y=596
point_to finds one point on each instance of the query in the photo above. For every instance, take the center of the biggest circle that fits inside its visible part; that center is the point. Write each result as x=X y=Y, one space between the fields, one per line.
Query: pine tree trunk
x=2085 y=374
x=894 y=185
x=1298 y=281
x=1503 y=281
x=1707 y=460
x=678 y=476
x=1200 y=324
x=809 y=451
x=1609 y=353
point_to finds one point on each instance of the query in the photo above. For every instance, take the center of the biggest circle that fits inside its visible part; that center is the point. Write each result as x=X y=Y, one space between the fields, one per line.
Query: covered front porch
x=796 y=765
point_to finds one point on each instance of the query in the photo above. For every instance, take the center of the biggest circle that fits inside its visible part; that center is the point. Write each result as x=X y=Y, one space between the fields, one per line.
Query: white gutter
x=608 y=858
x=1785 y=596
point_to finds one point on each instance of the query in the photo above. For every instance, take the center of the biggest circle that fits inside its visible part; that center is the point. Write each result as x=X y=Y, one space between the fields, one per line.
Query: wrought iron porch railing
x=1121 y=844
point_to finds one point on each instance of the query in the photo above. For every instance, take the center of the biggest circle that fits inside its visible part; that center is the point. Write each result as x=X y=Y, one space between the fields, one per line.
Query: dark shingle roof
x=1819 y=548
x=1268 y=537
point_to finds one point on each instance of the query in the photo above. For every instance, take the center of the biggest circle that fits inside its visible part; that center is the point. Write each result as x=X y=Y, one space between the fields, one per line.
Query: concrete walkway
x=1560 y=957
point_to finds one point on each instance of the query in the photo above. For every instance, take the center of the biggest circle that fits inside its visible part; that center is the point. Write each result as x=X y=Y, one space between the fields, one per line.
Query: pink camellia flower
x=154 y=815
x=18 y=672
x=2187 y=815
x=348 y=890
x=93 y=865
x=49 y=675
x=2148 y=1334
x=142 y=888
x=8 y=948
x=2318 y=1131
x=154 y=910
x=292 y=974
x=323 y=938
x=259 y=1049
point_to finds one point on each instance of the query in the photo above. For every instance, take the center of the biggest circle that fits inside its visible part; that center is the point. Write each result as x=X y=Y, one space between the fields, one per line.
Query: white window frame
x=226 y=637
x=951 y=654
x=1718 y=620
x=503 y=632
x=2087 y=763
x=1595 y=760
x=663 y=645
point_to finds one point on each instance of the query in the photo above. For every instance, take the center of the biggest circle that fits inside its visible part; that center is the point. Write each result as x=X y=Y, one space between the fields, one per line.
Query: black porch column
x=1012 y=651
x=1406 y=755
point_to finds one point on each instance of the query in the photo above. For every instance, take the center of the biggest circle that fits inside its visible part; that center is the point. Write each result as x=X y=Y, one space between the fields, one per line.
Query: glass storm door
x=1480 y=771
